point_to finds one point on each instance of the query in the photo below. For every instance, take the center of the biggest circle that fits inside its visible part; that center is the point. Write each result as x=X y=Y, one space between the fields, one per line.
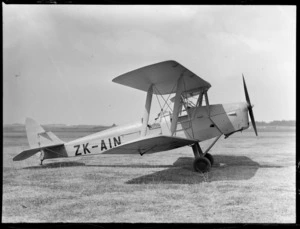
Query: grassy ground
x=252 y=181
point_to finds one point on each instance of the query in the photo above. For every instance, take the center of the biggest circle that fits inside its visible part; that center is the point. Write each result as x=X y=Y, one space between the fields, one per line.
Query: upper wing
x=164 y=76
x=150 y=145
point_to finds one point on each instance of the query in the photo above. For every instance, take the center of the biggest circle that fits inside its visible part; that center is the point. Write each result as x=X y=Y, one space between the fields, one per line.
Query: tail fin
x=38 y=137
x=38 y=140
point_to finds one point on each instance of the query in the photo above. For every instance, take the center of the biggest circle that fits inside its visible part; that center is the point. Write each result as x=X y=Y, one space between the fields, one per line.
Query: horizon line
x=283 y=120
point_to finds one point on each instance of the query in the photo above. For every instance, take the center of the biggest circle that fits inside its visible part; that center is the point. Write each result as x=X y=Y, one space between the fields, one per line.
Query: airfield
x=252 y=181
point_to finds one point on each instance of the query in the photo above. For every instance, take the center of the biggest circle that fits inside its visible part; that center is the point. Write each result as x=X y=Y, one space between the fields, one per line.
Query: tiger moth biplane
x=182 y=121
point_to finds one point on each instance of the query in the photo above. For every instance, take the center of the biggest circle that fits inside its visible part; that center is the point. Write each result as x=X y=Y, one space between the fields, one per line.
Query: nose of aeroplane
x=244 y=106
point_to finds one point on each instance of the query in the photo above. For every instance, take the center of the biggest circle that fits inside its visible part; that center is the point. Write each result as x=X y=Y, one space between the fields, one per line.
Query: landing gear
x=203 y=161
x=41 y=162
x=202 y=164
x=210 y=158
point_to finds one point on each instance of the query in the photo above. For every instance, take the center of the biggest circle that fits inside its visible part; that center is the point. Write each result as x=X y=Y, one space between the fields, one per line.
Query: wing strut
x=147 y=111
x=198 y=103
x=177 y=105
x=207 y=103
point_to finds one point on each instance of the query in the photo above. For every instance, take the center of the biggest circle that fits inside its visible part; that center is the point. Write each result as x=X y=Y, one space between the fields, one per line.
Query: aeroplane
x=184 y=120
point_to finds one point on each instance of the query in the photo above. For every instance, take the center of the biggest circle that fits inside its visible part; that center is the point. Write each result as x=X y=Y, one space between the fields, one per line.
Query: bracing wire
x=161 y=107
x=166 y=100
x=166 y=103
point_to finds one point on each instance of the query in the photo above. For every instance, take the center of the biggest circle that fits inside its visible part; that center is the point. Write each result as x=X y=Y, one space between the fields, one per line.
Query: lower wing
x=151 y=145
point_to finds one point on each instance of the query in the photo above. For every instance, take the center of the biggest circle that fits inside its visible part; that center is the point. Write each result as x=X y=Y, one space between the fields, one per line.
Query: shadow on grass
x=141 y=166
x=181 y=172
x=56 y=165
x=75 y=163
x=224 y=168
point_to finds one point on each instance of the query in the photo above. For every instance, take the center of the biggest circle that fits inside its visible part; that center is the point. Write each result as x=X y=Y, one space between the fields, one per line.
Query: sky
x=59 y=60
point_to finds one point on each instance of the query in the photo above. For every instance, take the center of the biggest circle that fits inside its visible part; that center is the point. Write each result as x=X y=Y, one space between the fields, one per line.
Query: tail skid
x=39 y=140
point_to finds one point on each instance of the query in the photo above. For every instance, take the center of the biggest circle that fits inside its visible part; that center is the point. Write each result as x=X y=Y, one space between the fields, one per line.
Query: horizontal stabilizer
x=151 y=145
x=163 y=76
x=30 y=152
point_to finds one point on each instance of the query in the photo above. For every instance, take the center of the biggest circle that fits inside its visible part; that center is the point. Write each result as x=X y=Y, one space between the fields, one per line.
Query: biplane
x=185 y=119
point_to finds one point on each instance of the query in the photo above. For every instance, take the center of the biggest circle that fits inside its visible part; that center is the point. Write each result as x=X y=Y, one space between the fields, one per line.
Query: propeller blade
x=249 y=106
x=252 y=120
x=246 y=92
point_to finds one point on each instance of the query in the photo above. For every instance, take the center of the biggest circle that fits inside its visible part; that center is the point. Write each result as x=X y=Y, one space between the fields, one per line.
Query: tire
x=210 y=158
x=202 y=165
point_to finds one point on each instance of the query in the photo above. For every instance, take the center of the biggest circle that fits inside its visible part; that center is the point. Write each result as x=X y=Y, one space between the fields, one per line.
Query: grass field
x=252 y=181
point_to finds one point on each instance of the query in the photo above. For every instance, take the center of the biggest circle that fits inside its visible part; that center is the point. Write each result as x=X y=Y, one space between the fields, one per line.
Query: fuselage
x=199 y=123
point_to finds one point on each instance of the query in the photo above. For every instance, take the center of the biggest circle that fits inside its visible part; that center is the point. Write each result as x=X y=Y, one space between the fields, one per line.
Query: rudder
x=38 y=137
x=41 y=141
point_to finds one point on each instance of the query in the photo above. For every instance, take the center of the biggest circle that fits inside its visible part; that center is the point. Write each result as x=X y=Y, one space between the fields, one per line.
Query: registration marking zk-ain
x=103 y=145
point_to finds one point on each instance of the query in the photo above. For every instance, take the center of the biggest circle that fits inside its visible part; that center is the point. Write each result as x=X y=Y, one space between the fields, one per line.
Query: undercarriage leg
x=197 y=150
x=212 y=144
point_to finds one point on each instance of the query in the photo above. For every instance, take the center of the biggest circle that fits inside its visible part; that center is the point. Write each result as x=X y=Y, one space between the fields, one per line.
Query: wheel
x=202 y=164
x=210 y=158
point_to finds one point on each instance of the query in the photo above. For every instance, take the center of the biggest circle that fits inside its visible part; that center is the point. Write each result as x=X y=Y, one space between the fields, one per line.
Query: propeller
x=249 y=106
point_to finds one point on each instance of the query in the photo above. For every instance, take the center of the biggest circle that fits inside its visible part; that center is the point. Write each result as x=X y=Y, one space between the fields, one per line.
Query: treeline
x=277 y=123
x=58 y=127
